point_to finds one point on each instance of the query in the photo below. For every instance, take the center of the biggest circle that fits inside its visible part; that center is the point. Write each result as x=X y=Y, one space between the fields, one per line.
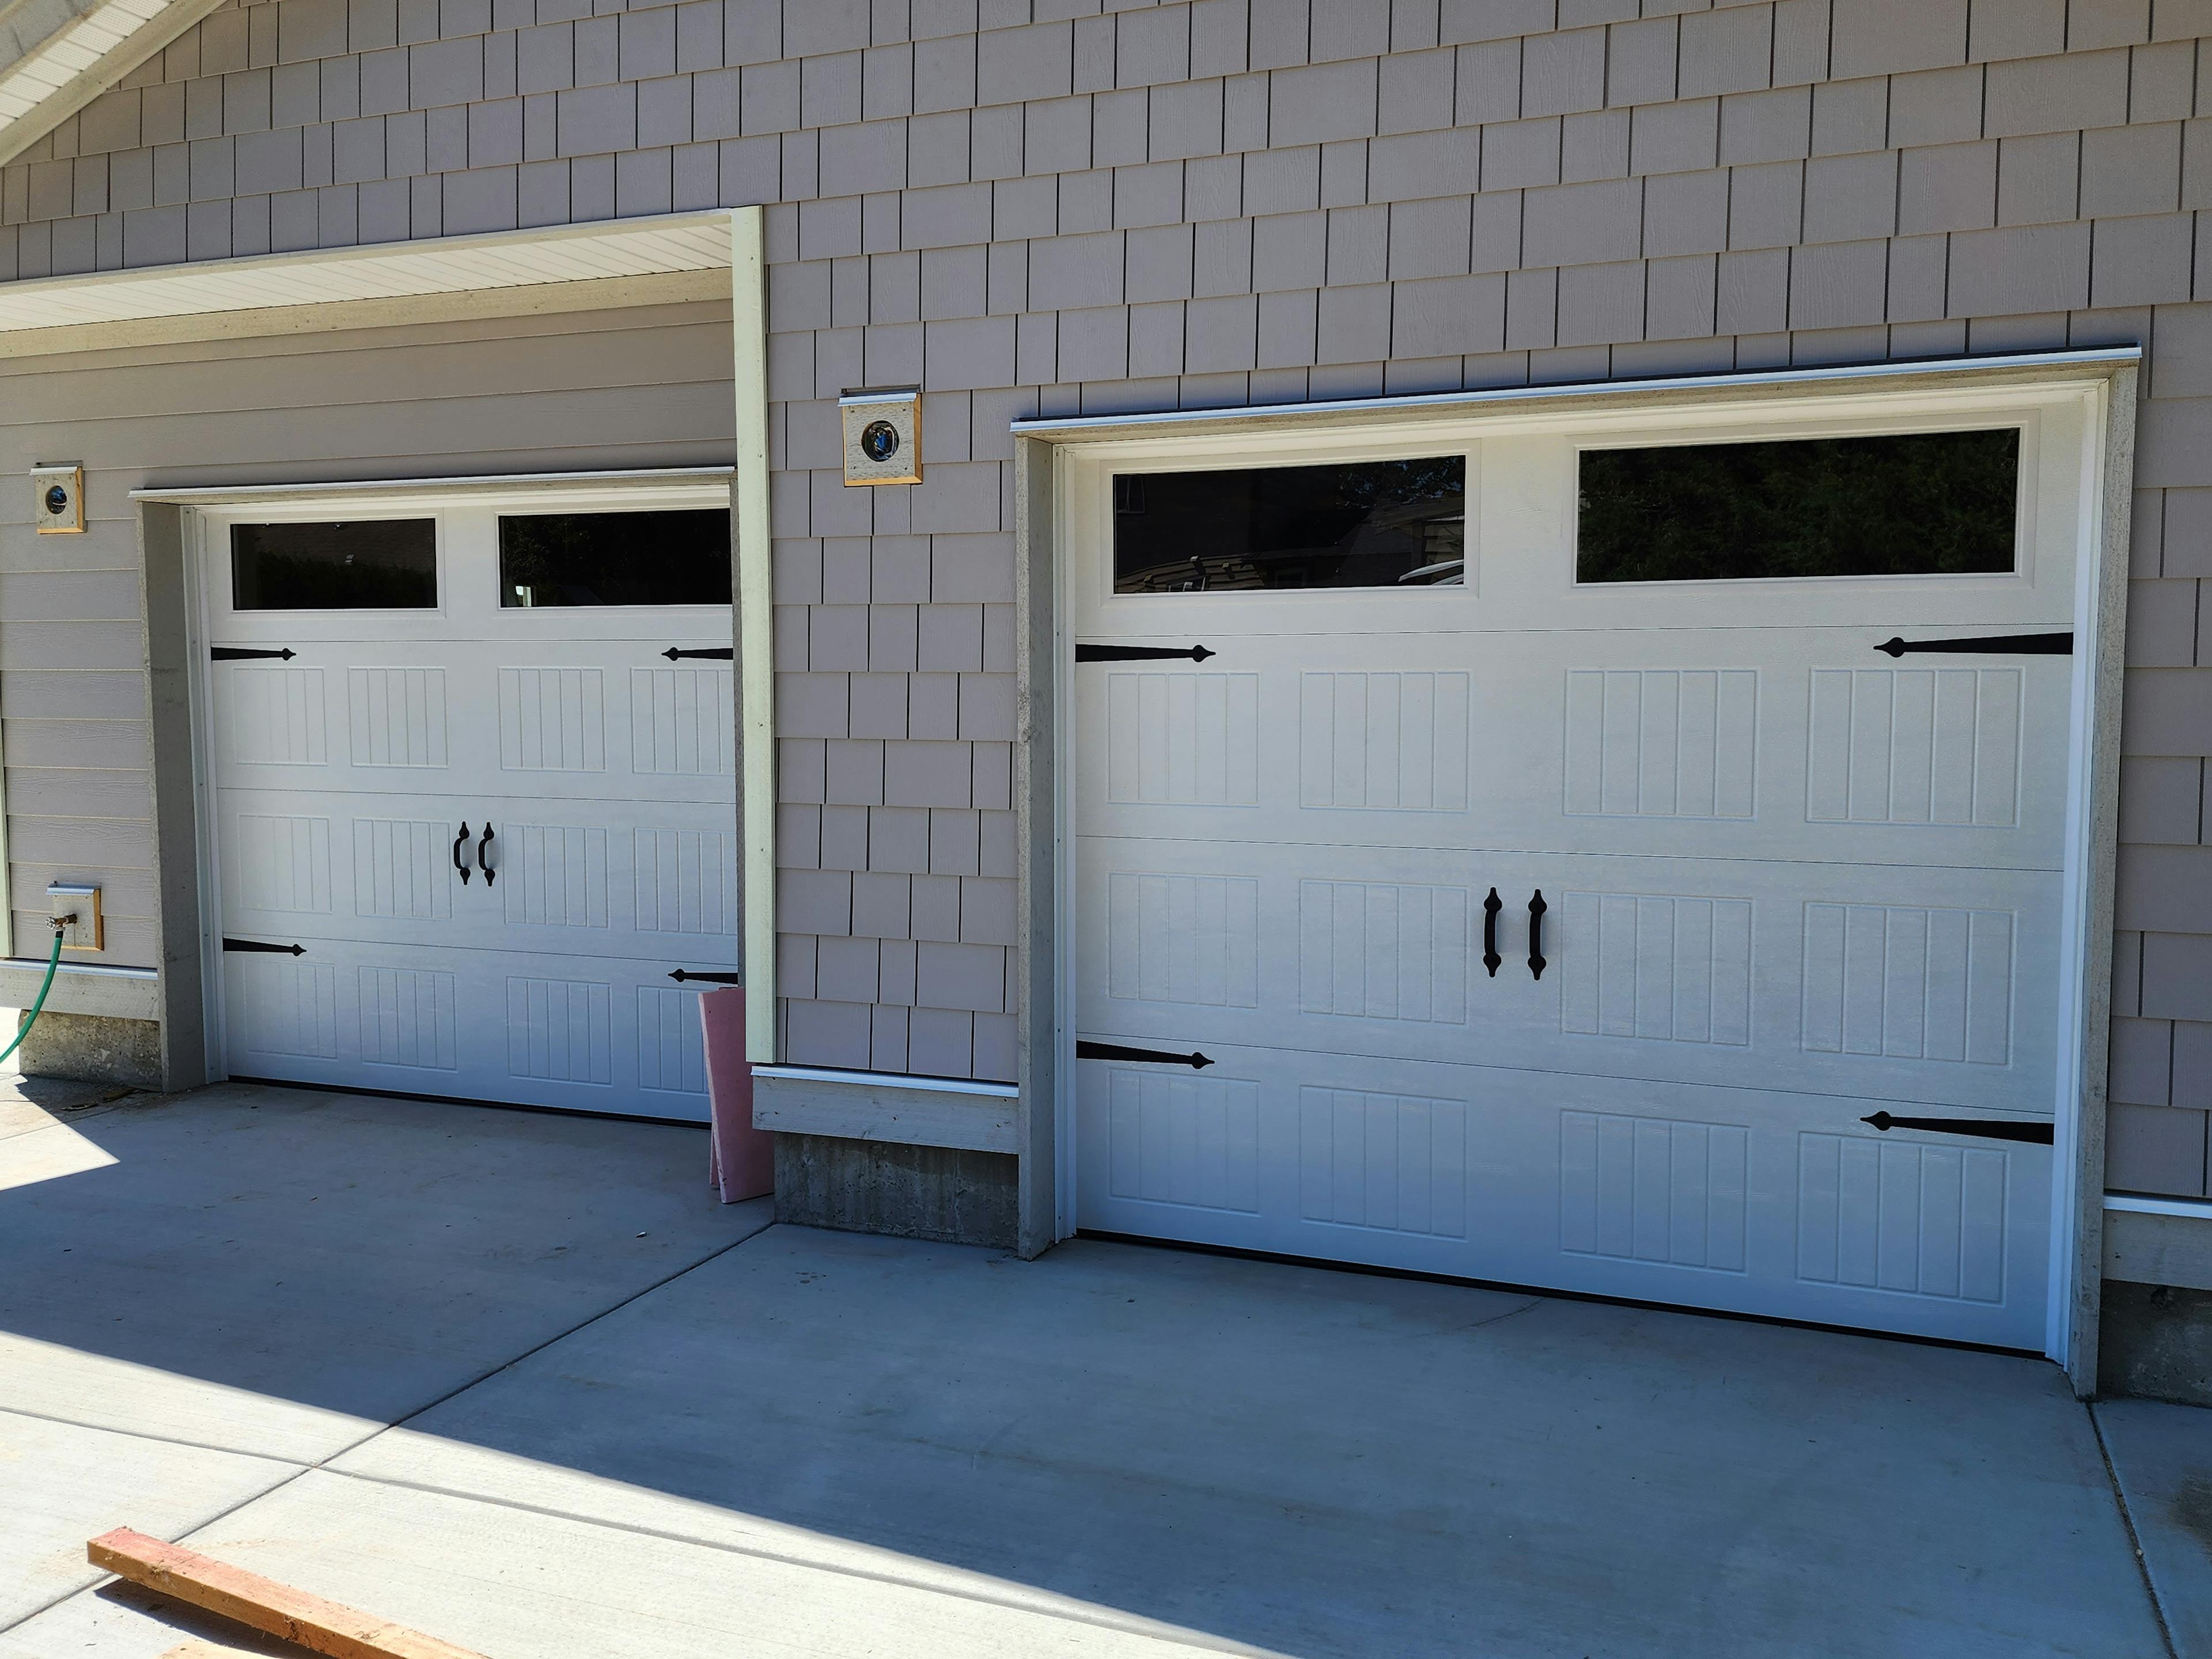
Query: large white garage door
x=1552 y=900
x=471 y=813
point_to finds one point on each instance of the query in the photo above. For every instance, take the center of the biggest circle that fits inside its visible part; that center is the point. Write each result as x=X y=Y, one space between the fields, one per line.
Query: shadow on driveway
x=1145 y=1447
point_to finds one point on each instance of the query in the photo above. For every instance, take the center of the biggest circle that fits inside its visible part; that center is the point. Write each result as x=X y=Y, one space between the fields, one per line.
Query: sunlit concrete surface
x=717 y=1439
x=37 y=1142
x=250 y=1280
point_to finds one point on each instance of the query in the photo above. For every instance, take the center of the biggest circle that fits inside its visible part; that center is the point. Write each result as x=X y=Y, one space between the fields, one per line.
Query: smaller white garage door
x=1556 y=875
x=473 y=773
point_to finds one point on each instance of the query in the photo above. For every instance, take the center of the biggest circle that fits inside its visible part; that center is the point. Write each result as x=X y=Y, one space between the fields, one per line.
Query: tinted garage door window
x=1360 y=524
x=1930 y=503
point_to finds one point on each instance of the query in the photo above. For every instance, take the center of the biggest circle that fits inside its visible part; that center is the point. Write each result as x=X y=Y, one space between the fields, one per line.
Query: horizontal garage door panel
x=1568 y=933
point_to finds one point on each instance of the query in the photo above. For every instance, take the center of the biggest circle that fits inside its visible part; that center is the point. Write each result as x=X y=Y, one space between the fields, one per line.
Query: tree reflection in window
x=676 y=556
x=1364 y=523
x=1923 y=503
x=359 y=564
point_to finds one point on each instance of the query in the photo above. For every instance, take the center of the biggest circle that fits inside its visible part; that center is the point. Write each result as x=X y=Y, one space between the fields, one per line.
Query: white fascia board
x=674 y=478
x=662 y=244
x=1075 y=428
x=2196 y=1209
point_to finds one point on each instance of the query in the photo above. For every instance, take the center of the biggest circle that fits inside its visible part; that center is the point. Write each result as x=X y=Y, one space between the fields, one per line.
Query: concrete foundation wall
x=910 y=1192
x=2157 y=1342
x=94 y=1048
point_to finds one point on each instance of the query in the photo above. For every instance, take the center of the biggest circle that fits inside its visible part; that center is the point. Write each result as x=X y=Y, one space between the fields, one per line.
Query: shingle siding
x=1056 y=208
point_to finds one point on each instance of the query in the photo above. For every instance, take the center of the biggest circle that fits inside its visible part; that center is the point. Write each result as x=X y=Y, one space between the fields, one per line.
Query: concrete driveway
x=516 y=1380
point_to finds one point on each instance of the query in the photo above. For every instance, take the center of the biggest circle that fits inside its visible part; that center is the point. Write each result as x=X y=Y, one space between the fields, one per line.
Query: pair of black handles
x=1491 y=907
x=483 y=846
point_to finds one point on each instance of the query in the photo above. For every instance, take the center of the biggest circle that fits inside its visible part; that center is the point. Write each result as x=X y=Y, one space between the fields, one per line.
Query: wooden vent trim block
x=262 y=1604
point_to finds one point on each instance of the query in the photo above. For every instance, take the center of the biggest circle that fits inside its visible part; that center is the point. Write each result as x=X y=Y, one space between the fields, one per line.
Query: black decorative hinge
x=259 y=944
x=681 y=975
x=2034 y=1134
x=2014 y=645
x=722 y=654
x=1196 y=1061
x=241 y=653
x=1138 y=653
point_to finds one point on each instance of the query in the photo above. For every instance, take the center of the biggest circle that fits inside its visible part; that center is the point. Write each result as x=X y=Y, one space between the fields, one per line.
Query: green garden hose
x=52 y=962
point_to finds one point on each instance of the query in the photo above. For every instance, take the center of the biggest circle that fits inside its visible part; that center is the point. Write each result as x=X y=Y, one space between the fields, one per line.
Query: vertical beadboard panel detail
x=680 y=722
x=1662 y=743
x=276 y=716
x=1673 y=970
x=1381 y=951
x=290 y=1005
x=403 y=869
x=1653 y=1189
x=1391 y=743
x=283 y=864
x=1182 y=739
x=1909 y=983
x=671 y=1053
x=1924 y=1220
x=1188 y=939
x=407 y=1018
x=557 y=877
x=560 y=1030
x=1914 y=745
x=1393 y=1163
x=687 y=881
x=552 y=719
x=1187 y=1140
x=397 y=716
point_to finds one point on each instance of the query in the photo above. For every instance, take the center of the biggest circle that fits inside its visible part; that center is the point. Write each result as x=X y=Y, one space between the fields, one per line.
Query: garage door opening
x=1623 y=854
x=471 y=787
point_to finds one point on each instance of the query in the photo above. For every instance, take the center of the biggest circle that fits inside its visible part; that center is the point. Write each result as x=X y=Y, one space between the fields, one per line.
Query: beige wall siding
x=643 y=388
x=1059 y=206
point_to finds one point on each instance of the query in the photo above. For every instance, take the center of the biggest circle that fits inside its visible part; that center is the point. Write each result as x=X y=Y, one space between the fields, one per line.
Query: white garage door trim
x=206 y=510
x=2101 y=382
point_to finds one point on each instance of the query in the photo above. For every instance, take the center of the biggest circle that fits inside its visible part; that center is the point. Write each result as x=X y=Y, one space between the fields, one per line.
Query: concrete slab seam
x=1134 y=1627
x=2128 y=1524
x=322 y=1463
x=158 y=1439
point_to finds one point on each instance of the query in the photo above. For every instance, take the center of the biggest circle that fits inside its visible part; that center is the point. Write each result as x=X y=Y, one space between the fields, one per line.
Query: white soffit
x=390 y=271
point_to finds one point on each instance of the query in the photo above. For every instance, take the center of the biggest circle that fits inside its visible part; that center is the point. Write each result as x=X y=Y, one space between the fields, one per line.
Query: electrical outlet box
x=79 y=900
x=883 y=435
x=57 y=499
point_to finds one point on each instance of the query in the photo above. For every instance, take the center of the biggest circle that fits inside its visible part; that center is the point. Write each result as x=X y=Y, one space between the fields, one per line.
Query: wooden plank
x=879 y=1109
x=2147 y=1249
x=262 y=1604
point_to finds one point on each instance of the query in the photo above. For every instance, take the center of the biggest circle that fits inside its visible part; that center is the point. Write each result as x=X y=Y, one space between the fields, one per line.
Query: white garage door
x=1755 y=880
x=471 y=812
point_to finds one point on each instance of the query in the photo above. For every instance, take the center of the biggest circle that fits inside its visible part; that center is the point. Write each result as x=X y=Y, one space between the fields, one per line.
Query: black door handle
x=1491 y=907
x=1536 y=909
x=459 y=841
x=490 y=875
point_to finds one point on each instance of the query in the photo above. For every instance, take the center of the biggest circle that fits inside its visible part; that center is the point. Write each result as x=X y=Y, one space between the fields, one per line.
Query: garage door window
x=1928 y=503
x=365 y=564
x=548 y=559
x=1365 y=524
